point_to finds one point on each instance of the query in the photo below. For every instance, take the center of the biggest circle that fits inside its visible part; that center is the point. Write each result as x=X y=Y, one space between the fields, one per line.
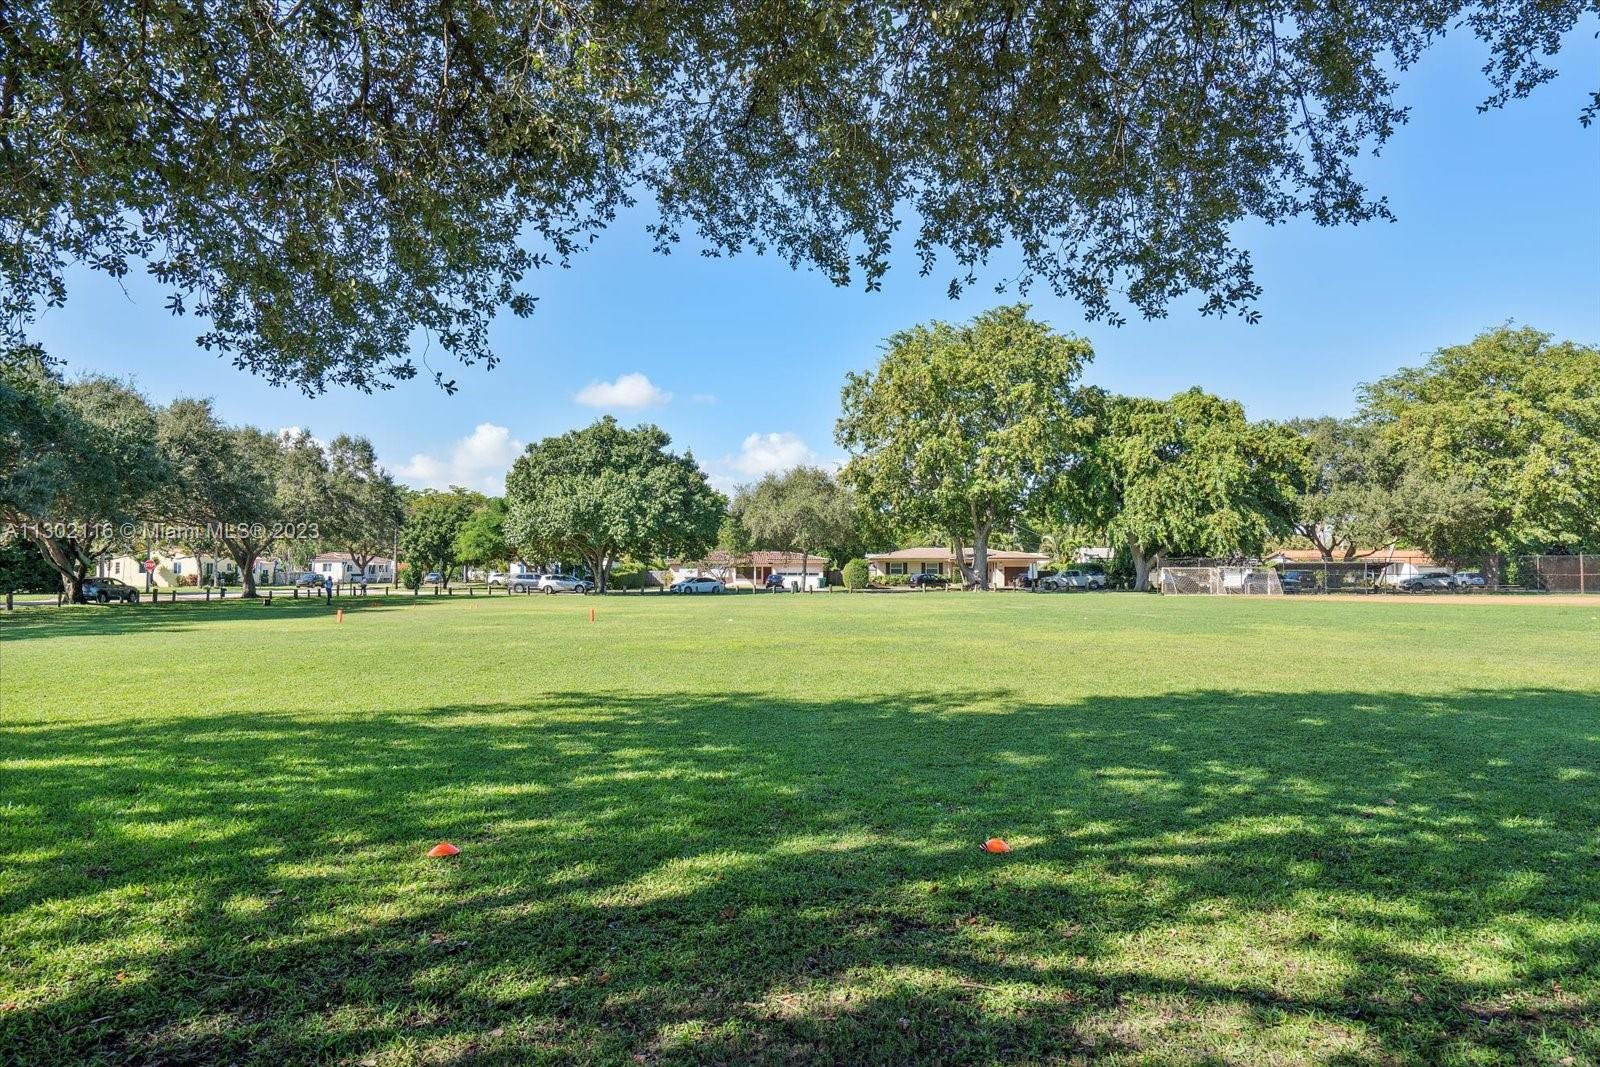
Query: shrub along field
x=746 y=829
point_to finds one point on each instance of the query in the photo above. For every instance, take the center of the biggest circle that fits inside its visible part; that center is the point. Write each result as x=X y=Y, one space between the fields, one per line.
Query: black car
x=928 y=581
x=776 y=582
x=105 y=590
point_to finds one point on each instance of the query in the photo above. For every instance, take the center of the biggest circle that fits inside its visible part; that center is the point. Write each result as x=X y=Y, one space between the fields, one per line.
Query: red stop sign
x=150 y=565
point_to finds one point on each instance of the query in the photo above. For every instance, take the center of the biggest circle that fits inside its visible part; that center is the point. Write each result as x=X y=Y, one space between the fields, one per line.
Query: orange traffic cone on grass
x=995 y=844
x=443 y=850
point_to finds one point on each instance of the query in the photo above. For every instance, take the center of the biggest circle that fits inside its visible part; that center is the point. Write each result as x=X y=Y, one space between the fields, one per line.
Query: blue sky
x=742 y=359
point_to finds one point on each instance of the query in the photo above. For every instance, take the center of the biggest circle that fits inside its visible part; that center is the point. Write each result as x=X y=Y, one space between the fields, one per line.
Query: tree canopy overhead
x=320 y=180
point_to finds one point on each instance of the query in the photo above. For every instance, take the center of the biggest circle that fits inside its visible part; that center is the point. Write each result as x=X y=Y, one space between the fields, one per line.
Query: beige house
x=1006 y=568
x=174 y=569
x=753 y=570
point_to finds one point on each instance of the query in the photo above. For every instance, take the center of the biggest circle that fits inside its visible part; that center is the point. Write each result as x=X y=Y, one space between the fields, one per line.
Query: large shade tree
x=319 y=181
x=1346 y=509
x=77 y=461
x=1188 y=476
x=605 y=491
x=363 y=507
x=1510 y=422
x=803 y=510
x=246 y=488
x=432 y=529
x=966 y=428
x=481 y=541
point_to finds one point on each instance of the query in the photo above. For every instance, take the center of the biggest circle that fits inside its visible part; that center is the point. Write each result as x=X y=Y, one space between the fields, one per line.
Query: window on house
x=177 y=566
x=897 y=568
x=931 y=568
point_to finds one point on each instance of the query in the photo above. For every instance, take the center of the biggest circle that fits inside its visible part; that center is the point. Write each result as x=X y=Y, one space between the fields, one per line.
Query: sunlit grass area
x=746 y=829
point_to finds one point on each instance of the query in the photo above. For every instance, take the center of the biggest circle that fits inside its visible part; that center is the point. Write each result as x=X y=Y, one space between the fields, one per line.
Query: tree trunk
x=959 y=551
x=980 y=553
x=1491 y=570
x=67 y=562
x=1141 y=566
x=246 y=557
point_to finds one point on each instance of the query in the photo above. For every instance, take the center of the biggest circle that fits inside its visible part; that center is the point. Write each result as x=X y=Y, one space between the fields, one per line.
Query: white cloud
x=771 y=453
x=628 y=391
x=761 y=454
x=477 y=461
x=289 y=433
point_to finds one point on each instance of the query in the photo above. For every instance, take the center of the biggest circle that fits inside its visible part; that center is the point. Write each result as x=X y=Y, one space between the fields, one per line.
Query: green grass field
x=745 y=829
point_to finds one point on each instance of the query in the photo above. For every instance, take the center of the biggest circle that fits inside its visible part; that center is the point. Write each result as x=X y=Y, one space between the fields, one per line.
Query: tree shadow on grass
x=1339 y=877
x=115 y=620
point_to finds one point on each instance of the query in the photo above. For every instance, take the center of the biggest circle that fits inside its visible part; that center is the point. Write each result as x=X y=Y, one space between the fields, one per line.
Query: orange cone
x=442 y=850
x=996 y=844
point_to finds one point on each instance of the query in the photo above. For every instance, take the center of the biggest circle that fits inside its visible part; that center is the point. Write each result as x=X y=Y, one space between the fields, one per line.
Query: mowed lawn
x=746 y=829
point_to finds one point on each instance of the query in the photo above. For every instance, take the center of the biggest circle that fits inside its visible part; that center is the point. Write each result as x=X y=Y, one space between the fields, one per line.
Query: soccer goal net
x=1221 y=581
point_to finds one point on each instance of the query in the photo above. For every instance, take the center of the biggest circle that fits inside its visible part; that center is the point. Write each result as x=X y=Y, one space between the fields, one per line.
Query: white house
x=753 y=570
x=175 y=569
x=342 y=568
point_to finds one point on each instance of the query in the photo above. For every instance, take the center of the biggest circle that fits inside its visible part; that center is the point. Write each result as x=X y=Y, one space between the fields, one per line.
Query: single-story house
x=175 y=569
x=1006 y=568
x=754 y=569
x=342 y=568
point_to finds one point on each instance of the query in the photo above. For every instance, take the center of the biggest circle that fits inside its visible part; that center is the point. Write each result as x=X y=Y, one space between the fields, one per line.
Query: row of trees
x=962 y=435
x=89 y=467
x=1490 y=448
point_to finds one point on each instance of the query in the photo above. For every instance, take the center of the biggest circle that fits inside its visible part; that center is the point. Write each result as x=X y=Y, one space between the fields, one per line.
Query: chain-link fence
x=1578 y=573
x=1575 y=573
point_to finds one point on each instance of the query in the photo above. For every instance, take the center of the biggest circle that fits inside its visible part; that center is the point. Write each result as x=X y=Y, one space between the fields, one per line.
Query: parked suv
x=105 y=590
x=776 y=582
x=562 y=583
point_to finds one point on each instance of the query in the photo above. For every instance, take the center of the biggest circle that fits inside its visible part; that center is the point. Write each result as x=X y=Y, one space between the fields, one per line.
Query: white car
x=524 y=583
x=697 y=585
x=495 y=578
x=563 y=583
x=1073 y=580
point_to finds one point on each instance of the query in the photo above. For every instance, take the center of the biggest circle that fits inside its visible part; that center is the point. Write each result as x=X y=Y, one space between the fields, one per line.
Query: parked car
x=1298 y=581
x=697 y=585
x=524 y=583
x=927 y=581
x=562 y=583
x=495 y=578
x=1423 y=583
x=1469 y=580
x=1063 y=580
x=776 y=582
x=432 y=578
x=105 y=590
x=309 y=578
